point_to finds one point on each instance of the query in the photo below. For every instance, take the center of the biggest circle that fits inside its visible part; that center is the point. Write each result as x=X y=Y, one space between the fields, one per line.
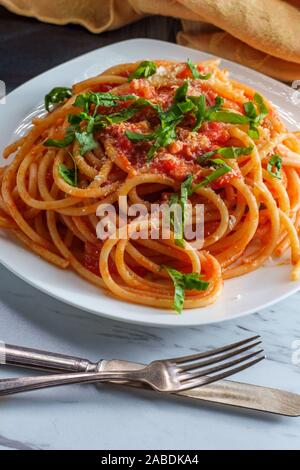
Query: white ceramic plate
x=240 y=296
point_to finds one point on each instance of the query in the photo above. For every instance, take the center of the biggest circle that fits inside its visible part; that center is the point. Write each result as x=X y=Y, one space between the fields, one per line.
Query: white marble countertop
x=86 y=417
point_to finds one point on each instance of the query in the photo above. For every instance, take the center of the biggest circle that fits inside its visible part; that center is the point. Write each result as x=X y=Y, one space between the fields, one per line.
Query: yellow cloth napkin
x=262 y=34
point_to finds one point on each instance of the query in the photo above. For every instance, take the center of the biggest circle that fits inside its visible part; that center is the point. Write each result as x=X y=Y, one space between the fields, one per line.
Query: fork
x=169 y=376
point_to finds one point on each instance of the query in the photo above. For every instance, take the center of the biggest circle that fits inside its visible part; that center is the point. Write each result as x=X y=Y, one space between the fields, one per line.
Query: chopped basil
x=68 y=175
x=103 y=120
x=182 y=105
x=227 y=152
x=253 y=132
x=166 y=131
x=222 y=169
x=274 y=166
x=144 y=70
x=96 y=121
x=183 y=282
x=255 y=117
x=227 y=117
x=196 y=74
x=181 y=92
x=182 y=201
x=137 y=137
x=61 y=143
x=85 y=123
x=164 y=136
x=200 y=110
x=263 y=110
x=108 y=100
x=57 y=95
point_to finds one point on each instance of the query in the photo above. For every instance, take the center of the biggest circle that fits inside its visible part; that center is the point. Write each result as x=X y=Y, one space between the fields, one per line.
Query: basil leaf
x=166 y=132
x=219 y=101
x=61 y=143
x=184 y=195
x=206 y=156
x=82 y=101
x=86 y=141
x=222 y=169
x=182 y=200
x=185 y=189
x=200 y=112
x=181 y=93
x=75 y=119
x=263 y=110
x=144 y=70
x=174 y=199
x=101 y=99
x=250 y=110
x=196 y=74
x=57 y=95
x=179 y=293
x=68 y=175
x=227 y=117
x=183 y=282
x=186 y=106
x=103 y=120
x=193 y=281
x=276 y=163
x=164 y=136
x=136 y=137
x=254 y=117
x=234 y=152
x=253 y=132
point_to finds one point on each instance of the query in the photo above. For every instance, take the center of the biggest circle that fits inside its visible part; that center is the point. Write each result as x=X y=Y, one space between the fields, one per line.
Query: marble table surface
x=86 y=417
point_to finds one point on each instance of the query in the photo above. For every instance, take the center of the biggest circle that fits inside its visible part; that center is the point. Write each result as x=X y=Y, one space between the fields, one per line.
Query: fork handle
x=26 y=384
x=43 y=360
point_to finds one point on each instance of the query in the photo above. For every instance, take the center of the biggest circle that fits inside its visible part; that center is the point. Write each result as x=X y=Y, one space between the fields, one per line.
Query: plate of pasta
x=152 y=183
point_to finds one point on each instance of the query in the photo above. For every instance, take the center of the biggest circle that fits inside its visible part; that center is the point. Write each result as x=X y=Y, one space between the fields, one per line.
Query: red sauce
x=91 y=262
x=104 y=87
x=91 y=258
x=216 y=132
x=225 y=179
x=134 y=152
x=165 y=96
x=49 y=178
x=142 y=88
x=172 y=166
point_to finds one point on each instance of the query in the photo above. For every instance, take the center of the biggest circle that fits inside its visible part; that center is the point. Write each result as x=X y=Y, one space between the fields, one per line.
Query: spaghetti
x=156 y=131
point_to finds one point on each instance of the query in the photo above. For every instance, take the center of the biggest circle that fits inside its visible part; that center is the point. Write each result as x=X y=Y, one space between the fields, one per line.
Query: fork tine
x=195 y=357
x=206 y=372
x=209 y=380
x=219 y=358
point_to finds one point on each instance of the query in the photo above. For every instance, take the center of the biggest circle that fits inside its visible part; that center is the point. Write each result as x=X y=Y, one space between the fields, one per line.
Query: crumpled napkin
x=262 y=34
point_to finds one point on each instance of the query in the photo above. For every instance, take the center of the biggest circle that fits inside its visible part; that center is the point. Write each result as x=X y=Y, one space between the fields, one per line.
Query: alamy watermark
x=152 y=221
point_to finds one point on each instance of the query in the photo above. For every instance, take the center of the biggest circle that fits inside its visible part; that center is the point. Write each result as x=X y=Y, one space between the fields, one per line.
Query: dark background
x=29 y=47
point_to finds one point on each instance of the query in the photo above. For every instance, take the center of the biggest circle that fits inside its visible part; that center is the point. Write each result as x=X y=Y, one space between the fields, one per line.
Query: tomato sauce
x=91 y=258
x=226 y=179
x=180 y=157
